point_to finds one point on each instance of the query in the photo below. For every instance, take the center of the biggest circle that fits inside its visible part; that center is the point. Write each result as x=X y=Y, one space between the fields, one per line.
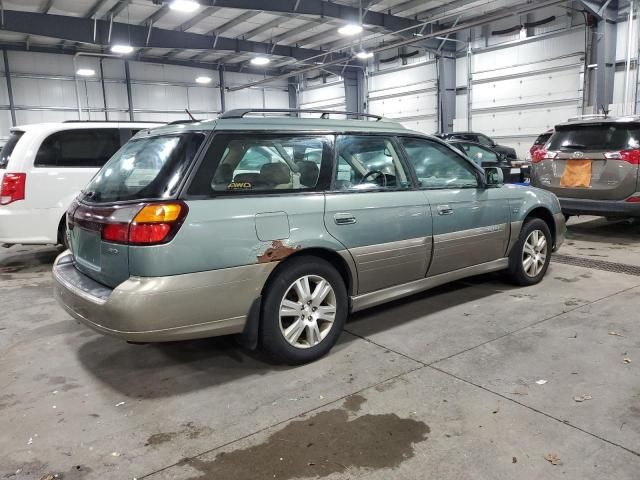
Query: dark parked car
x=514 y=171
x=592 y=166
x=482 y=139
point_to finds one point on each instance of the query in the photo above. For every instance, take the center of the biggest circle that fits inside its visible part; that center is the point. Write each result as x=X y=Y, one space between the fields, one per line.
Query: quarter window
x=479 y=155
x=246 y=164
x=437 y=166
x=78 y=148
x=368 y=163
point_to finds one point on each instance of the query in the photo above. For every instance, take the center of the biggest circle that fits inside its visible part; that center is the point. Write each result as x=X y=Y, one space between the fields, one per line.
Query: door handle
x=444 y=210
x=344 y=219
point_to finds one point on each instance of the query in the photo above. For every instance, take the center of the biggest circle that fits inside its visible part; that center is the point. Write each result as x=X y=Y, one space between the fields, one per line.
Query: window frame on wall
x=475 y=169
x=218 y=143
x=114 y=131
x=393 y=138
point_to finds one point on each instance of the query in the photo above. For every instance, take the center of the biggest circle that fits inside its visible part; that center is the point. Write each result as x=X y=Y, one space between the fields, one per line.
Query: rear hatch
x=131 y=201
x=595 y=160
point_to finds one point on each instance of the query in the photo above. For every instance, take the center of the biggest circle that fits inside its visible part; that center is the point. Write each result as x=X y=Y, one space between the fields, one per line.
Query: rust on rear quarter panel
x=277 y=251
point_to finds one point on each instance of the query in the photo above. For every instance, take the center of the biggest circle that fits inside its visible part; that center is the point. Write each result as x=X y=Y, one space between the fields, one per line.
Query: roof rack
x=241 y=112
x=588 y=116
x=110 y=121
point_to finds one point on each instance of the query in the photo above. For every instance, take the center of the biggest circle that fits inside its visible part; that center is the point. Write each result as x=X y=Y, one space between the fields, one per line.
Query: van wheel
x=530 y=256
x=304 y=310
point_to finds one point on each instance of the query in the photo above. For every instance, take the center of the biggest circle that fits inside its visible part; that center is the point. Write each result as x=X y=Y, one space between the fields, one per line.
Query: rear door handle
x=444 y=210
x=344 y=219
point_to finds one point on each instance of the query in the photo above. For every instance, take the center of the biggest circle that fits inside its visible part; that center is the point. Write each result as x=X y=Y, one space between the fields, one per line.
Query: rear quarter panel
x=221 y=233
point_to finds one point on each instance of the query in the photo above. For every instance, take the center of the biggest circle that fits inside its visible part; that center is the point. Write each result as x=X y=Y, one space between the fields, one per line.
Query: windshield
x=604 y=136
x=7 y=150
x=148 y=167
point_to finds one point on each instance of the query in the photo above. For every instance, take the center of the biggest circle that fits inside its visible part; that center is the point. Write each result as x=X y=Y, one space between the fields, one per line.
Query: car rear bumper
x=159 y=309
x=605 y=208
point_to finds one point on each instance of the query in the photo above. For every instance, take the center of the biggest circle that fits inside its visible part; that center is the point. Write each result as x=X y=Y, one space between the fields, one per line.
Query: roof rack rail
x=111 y=121
x=588 y=116
x=241 y=112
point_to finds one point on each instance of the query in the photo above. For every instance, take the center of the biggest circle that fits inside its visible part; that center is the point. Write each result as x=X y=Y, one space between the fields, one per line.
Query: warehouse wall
x=44 y=91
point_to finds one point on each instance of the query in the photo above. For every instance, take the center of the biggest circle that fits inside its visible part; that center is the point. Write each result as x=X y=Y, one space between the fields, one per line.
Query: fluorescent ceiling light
x=186 y=6
x=363 y=55
x=350 y=29
x=123 y=49
x=260 y=60
x=86 y=72
x=203 y=80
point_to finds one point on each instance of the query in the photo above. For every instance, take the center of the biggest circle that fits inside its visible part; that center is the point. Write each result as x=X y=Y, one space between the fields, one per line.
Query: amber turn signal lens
x=159 y=212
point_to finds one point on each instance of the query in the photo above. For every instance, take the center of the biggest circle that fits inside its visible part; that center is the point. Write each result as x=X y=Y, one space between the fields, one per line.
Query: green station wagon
x=277 y=227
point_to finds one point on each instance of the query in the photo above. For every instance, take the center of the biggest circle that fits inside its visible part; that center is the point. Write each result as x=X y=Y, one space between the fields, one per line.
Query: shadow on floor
x=600 y=230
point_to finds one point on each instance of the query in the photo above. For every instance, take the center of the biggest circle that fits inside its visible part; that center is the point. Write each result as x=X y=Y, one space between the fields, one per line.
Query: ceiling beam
x=318 y=8
x=82 y=30
x=193 y=21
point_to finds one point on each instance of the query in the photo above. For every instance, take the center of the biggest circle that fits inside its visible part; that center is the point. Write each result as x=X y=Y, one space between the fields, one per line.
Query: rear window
x=596 y=137
x=7 y=150
x=148 y=167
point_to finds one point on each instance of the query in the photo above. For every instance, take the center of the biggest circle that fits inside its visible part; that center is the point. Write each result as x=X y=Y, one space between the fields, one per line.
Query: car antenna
x=604 y=112
x=190 y=115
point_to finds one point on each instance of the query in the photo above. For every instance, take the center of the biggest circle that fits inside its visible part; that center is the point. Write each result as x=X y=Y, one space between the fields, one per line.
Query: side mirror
x=493 y=176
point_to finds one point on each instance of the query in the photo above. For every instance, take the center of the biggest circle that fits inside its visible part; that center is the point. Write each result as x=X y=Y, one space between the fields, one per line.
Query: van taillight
x=154 y=223
x=13 y=187
x=542 y=154
x=630 y=156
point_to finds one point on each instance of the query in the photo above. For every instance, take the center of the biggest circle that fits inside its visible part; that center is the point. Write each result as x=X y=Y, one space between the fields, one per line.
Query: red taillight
x=154 y=223
x=635 y=198
x=116 y=232
x=542 y=154
x=13 y=187
x=629 y=156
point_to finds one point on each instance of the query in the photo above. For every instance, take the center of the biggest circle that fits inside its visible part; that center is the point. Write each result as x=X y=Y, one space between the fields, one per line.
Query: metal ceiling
x=228 y=33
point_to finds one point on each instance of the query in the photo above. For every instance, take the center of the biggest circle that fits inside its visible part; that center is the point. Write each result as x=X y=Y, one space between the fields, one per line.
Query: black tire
x=567 y=217
x=272 y=338
x=62 y=233
x=516 y=271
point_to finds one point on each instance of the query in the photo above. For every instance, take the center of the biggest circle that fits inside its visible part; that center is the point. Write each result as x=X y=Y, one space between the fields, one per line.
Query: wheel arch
x=546 y=216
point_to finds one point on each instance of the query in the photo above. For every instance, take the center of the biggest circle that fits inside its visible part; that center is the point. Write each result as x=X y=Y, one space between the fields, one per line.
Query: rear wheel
x=62 y=233
x=530 y=256
x=304 y=311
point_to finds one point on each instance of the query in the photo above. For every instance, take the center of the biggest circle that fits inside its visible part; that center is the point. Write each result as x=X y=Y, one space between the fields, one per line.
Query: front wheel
x=530 y=256
x=304 y=311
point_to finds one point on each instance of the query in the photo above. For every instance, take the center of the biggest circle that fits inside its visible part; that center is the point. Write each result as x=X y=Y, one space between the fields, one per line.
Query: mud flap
x=249 y=336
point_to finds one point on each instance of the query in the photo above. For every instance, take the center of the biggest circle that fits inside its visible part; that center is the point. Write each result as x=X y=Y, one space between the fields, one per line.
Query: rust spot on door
x=276 y=252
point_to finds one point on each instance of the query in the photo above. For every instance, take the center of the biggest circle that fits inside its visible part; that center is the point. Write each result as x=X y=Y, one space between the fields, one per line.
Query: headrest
x=309 y=173
x=275 y=173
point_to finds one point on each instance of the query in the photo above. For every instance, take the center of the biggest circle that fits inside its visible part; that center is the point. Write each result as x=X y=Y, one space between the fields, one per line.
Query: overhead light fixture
x=363 y=55
x=260 y=60
x=350 y=29
x=86 y=72
x=186 y=6
x=122 y=49
x=203 y=80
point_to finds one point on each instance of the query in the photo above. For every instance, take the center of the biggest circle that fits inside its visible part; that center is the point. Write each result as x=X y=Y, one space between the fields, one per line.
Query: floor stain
x=320 y=445
x=189 y=430
x=354 y=402
x=567 y=280
x=160 y=438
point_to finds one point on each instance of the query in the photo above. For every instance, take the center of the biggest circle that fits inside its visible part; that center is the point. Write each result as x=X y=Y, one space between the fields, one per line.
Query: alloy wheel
x=534 y=253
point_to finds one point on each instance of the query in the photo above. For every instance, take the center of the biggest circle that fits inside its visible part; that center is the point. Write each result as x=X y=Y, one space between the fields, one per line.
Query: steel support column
x=127 y=75
x=292 y=89
x=606 y=55
x=104 y=91
x=446 y=93
x=221 y=83
x=354 y=91
x=7 y=73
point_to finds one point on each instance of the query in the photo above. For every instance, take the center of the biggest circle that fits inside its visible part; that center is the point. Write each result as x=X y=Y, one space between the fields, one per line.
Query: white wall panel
x=330 y=96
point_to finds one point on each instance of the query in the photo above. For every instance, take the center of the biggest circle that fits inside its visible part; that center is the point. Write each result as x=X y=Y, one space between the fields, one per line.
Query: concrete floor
x=473 y=380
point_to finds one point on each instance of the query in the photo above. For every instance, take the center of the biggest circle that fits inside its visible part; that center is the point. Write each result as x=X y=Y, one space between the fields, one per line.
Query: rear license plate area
x=88 y=248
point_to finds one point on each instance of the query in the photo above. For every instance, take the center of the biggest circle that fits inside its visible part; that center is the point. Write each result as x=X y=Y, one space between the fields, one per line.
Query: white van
x=44 y=166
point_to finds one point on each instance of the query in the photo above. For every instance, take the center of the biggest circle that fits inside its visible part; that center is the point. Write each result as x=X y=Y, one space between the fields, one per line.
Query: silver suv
x=592 y=166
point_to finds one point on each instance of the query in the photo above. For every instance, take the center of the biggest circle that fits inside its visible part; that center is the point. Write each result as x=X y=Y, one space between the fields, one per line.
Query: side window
x=368 y=163
x=479 y=155
x=78 y=148
x=484 y=140
x=260 y=163
x=438 y=166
